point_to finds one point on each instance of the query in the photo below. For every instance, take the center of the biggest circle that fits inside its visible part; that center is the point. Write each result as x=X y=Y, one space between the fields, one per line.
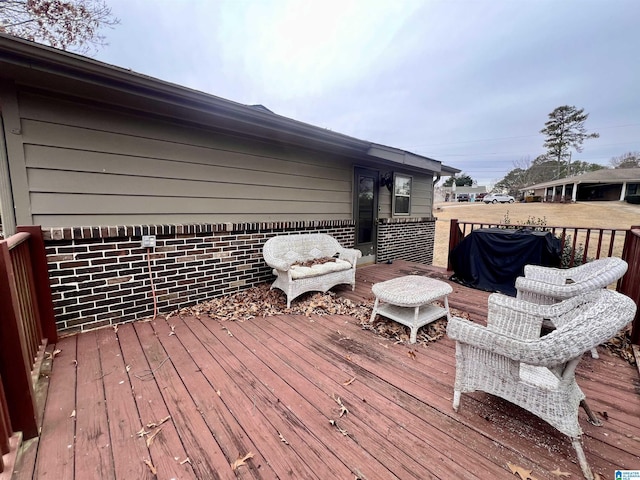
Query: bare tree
x=65 y=24
x=626 y=160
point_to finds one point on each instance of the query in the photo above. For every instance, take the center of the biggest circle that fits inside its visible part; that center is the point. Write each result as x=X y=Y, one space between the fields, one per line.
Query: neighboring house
x=606 y=184
x=472 y=194
x=99 y=156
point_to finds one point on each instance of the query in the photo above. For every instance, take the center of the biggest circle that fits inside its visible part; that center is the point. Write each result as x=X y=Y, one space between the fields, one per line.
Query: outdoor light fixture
x=387 y=180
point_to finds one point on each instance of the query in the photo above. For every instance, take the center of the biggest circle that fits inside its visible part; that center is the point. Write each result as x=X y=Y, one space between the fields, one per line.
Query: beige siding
x=92 y=166
x=421 y=196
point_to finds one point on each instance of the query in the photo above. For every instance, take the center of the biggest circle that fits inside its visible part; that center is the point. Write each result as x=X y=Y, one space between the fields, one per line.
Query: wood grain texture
x=269 y=386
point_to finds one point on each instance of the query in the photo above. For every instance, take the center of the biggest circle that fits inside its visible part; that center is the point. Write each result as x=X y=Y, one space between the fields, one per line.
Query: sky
x=469 y=83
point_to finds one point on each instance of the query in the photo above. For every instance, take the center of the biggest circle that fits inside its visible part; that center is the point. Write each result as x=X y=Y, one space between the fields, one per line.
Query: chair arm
x=555 y=291
x=351 y=255
x=531 y=352
x=499 y=301
x=279 y=264
x=555 y=276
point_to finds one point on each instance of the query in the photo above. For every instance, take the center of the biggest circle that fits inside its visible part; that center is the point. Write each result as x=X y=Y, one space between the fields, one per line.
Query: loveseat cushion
x=298 y=271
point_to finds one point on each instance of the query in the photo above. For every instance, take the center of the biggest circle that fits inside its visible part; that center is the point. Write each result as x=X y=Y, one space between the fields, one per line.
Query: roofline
x=579 y=179
x=37 y=57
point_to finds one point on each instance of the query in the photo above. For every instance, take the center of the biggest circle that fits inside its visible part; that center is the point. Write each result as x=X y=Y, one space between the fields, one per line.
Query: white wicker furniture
x=407 y=300
x=284 y=252
x=508 y=358
x=546 y=286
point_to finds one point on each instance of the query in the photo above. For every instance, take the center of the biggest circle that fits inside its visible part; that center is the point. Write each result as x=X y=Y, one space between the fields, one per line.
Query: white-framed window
x=401 y=194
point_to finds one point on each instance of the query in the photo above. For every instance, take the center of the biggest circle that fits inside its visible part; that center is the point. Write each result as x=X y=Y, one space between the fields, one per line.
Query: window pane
x=402 y=195
x=403 y=185
x=402 y=205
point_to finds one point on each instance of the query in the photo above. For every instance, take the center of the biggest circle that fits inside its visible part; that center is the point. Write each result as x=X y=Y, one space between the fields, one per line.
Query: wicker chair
x=508 y=358
x=284 y=253
x=546 y=286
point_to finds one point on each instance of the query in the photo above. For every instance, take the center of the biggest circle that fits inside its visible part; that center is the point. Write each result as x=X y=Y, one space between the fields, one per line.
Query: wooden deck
x=273 y=389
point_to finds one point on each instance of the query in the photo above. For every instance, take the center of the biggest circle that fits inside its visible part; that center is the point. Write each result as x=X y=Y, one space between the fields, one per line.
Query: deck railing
x=579 y=245
x=26 y=324
x=630 y=283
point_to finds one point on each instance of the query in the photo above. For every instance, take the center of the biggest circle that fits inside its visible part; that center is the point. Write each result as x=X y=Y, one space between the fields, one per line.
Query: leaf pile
x=316 y=261
x=395 y=331
x=259 y=301
x=620 y=345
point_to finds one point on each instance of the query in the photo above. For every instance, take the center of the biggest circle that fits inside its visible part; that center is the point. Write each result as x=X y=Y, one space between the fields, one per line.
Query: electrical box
x=149 y=241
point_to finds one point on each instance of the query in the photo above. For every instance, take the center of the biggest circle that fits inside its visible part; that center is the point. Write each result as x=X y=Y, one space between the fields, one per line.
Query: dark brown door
x=365 y=205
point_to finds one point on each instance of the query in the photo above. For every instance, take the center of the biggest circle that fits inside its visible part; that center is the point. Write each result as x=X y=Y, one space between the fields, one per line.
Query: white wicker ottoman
x=407 y=300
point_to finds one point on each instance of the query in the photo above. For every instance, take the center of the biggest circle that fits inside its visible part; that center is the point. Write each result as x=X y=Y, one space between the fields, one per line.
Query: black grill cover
x=492 y=258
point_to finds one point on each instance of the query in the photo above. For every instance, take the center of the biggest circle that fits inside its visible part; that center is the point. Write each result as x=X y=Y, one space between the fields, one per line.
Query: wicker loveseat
x=309 y=262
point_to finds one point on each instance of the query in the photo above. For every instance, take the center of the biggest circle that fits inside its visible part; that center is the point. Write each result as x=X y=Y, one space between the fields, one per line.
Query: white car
x=498 y=197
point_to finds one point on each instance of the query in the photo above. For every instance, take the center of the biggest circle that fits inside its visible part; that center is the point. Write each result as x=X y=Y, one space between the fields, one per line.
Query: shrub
x=539 y=224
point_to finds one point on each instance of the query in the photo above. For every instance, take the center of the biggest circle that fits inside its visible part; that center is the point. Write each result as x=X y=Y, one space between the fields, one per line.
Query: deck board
x=201 y=447
x=93 y=458
x=269 y=386
x=128 y=449
x=55 y=456
x=166 y=446
x=266 y=402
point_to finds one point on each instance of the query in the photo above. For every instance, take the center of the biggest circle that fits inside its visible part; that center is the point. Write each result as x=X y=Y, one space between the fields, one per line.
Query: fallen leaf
x=152 y=436
x=154 y=425
x=73 y=414
x=52 y=355
x=559 y=473
x=282 y=439
x=151 y=467
x=115 y=328
x=219 y=393
x=343 y=409
x=128 y=368
x=186 y=460
x=521 y=472
x=173 y=330
x=341 y=430
x=411 y=354
x=241 y=461
x=349 y=382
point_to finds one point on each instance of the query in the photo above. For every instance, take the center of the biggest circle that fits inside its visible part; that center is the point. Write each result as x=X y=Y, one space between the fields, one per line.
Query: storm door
x=365 y=205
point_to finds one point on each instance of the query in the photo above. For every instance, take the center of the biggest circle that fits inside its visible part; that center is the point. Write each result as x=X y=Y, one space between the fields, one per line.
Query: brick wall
x=100 y=275
x=410 y=239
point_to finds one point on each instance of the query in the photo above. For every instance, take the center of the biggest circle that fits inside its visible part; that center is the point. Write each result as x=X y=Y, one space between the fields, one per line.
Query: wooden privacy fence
x=27 y=323
x=579 y=245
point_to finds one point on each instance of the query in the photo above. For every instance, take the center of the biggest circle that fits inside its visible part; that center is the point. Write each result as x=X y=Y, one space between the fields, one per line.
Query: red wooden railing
x=586 y=244
x=27 y=323
x=630 y=283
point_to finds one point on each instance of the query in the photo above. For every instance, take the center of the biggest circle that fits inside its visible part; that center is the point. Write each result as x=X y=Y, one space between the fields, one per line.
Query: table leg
x=414 y=328
x=375 y=310
x=446 y=307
